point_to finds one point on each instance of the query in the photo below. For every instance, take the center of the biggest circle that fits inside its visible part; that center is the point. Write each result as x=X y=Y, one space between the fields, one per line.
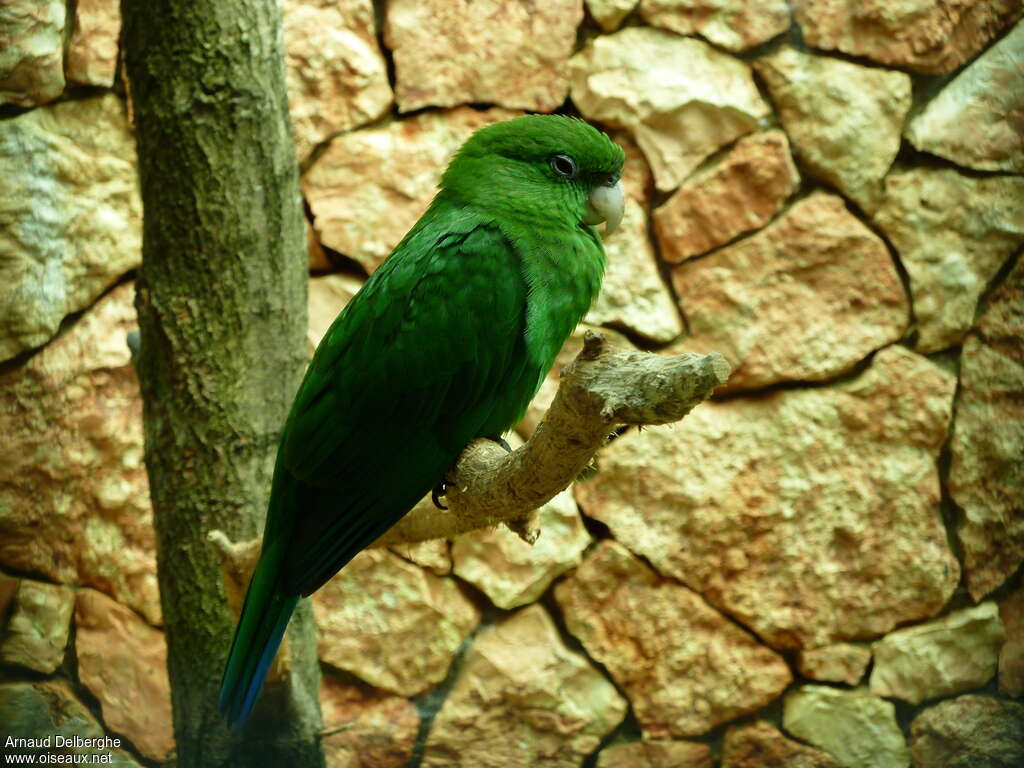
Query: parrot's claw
x=503 y=443
x=435 y=495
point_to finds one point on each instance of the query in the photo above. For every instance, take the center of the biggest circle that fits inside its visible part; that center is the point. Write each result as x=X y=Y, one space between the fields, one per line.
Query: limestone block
x=939 y=658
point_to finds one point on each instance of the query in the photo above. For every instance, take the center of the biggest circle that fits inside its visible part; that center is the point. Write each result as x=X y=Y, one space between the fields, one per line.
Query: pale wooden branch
x=605 y=387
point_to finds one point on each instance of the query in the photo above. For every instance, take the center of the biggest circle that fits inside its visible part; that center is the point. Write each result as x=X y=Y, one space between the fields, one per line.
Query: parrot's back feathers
x=448 y=340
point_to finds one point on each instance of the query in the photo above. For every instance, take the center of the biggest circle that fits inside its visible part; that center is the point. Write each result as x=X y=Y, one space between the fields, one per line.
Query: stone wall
x=821 y=567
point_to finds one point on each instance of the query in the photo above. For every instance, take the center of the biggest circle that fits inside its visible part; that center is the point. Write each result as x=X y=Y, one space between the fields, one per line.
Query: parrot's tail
x=265 y=616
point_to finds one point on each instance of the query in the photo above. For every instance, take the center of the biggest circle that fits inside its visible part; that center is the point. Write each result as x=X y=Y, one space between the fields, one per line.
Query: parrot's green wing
x=436 y=331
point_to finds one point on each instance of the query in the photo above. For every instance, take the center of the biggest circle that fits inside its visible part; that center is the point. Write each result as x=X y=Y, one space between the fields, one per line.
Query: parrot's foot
x=435 y=495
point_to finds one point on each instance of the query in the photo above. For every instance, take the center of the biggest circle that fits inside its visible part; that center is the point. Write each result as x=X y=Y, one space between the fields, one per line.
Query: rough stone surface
x=434 y=555
x=337 y=77
x=47 y=710
x=839 y=663
x=684 y=666
x=93 y=47
x=844 y=119
x=366 y=729
x=740 y=193
x=953 y=233
x=37 y=632
x=610 y=13
x=546 y=394
x=74 y=498
x=939 y=658
x=514 y=54
x=510 y=571
x=1011 y=655
x=762 y=745
x=805 y=299
x=31 y=52
x=123 y=662
x=391 y=623
x=986 y=477
x=398 y=167
x=733 y=24
x=929 y=36
x=655 y=754
x=975 y=121
x=523 y=700
x=633 y=295
x=809 y=515
x=858 y=729
x=969 y=732
x=328 y=295
x=680 y=98
x=70 y=216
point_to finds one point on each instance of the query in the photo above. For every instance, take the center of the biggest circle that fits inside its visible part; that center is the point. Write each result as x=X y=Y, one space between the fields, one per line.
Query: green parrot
x=447 y=341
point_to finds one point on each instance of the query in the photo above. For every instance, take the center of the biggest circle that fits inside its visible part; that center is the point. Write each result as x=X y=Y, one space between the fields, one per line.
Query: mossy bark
x=222 y=316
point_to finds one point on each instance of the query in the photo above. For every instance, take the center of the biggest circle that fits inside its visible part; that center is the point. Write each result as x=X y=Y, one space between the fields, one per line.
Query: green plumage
x=447 y=341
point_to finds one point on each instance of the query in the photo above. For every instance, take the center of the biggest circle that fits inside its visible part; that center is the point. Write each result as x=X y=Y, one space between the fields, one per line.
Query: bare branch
x=603 y=388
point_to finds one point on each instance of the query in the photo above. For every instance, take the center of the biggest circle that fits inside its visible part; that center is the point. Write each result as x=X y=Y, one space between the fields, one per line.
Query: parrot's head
x=540 y=170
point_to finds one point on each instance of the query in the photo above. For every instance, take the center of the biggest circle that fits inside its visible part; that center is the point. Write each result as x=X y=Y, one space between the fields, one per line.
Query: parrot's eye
x=563 y=165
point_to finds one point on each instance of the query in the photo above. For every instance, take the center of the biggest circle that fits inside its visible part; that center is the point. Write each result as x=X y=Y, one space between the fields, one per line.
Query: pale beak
x=606 y=203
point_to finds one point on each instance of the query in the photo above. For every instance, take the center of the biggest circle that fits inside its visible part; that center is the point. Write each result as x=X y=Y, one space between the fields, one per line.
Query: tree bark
x=222 y=316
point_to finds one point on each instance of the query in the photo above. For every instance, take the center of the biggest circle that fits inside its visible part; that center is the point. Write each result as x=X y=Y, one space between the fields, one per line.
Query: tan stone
x=46 y=710
x=928 y=36
x=93 y=47
x=633 y=295
x=684 y=666
x=514 y=54
x=839 y=663
x=31 y=52
x=510 y=571
x=953 y=233
x=680 y=98
x=733 y=24
x=858 y=729
x=328 y=295
x=1011 y=655
x=434 y=555
x=655 y=754
x=844 y=119
x=610 y=13
x=975 y=121
x=523 y=700
x=391 y=623
x=319 y=261
x=398 y=167
x=337 y=76
x=366 y=729
x=123 y=662
x=70 y=216
x=805 y=299
x=37 y=632
x=736 y=195
x=762 y=745
x=809 y=515
x=939 y=658
x=74 y=497
x=969 y=732
x=546 y=394
x=986 y=477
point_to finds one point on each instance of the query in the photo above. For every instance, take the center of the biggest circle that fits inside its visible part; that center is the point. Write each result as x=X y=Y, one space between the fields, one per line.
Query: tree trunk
x=222 y=316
